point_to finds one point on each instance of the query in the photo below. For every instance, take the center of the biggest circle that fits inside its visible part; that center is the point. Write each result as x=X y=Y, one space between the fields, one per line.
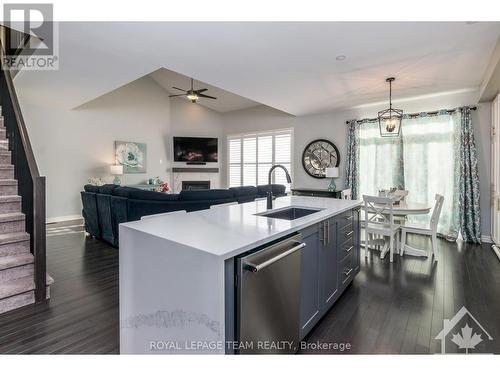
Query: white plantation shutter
x=252 y=155
x=234 y=145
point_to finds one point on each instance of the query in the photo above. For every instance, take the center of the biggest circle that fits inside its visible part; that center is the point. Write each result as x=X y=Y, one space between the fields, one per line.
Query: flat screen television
x=195 y=149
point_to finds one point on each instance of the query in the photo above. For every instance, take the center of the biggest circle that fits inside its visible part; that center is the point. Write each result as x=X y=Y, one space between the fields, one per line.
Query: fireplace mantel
x=194 y=170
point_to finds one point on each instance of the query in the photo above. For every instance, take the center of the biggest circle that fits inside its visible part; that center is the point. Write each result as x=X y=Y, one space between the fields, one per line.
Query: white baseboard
x=496 y=250
x=58 y=219
x=486 y=239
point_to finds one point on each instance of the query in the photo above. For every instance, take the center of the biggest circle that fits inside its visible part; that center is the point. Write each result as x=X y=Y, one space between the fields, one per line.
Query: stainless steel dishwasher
x=268 y=298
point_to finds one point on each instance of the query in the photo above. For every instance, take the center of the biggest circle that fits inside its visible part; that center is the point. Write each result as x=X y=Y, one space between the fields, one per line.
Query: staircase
x=17 y=270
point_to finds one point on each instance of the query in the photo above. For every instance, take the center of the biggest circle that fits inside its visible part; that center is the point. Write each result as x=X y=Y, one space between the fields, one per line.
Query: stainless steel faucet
x=270 y=191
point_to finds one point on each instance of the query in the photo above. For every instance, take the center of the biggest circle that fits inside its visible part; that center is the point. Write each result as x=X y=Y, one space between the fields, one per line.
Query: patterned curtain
x=351 y=166
x=432 y=167
x=469 y=210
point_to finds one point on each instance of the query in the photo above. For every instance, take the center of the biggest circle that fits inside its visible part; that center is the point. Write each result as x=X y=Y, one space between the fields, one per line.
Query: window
x=252 y=155
x=423 y=161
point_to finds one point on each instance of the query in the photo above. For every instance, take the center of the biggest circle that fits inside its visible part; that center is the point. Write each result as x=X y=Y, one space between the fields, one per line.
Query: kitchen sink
x=289 y=213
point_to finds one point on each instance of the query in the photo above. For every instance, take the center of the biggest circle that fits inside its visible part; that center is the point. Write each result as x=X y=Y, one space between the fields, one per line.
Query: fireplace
x=195 y=185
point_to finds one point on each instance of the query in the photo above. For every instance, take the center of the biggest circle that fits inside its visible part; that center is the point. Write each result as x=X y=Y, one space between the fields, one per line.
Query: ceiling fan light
x=192 y=97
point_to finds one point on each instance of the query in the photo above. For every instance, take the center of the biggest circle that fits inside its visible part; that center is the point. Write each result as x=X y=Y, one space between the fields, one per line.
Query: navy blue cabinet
x=329 y=263
x=310 y=299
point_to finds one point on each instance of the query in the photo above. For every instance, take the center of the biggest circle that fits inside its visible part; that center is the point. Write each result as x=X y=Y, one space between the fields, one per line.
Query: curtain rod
x=433 y=113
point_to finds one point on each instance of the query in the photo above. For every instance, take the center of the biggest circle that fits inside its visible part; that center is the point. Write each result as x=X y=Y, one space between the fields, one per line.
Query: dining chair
x=401 y=194
x=224 y=204
x=162 y=214
x=346 y=194
x=427 y=230
x=379 y=221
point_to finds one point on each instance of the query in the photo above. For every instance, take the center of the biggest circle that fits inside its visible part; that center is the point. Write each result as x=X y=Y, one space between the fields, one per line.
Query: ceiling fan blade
x=173 y=96
x=206 y=96
x=200 y=90
x=178 y=88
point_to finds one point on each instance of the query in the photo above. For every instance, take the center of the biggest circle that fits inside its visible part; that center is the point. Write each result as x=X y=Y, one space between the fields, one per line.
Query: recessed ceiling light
x=340 y=58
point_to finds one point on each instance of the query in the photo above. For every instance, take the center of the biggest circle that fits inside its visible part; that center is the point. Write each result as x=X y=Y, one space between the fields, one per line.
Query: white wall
x=332 y=125
x=72 y=145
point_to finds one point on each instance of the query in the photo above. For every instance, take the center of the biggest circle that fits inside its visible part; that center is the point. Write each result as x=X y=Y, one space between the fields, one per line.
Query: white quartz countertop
x=227 y=231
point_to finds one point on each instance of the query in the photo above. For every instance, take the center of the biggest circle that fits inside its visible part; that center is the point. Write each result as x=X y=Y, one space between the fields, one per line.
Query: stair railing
x=31 y=186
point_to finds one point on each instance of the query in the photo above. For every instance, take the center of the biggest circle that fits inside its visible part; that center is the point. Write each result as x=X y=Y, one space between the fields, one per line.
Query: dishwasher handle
x=257 y=267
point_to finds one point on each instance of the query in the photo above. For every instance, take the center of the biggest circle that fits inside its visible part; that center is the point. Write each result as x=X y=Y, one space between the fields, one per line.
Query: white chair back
x=346 y=194
x=379 y=210
x=436 y=212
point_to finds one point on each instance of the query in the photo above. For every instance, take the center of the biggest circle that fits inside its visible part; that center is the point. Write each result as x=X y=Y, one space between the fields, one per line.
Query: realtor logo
x=465 y=332
x=30 y=37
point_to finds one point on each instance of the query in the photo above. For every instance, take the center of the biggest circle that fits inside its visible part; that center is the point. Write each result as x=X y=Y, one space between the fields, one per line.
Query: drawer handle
x=349 y=249
x=347 y=273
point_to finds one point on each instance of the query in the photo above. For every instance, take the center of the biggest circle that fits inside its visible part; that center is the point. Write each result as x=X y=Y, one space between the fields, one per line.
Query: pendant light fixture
x=389 y=120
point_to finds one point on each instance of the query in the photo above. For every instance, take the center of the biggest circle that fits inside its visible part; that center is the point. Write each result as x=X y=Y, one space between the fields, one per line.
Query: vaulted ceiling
x=293 y=67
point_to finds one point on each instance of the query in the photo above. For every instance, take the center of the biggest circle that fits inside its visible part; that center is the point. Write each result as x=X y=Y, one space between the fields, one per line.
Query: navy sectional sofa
x=105 y=207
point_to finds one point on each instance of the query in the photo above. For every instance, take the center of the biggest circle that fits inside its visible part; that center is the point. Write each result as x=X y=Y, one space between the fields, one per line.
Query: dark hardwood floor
x=389 y=308
x=82 y=315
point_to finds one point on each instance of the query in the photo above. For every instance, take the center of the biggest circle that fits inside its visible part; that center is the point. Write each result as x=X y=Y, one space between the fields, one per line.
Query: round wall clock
x=318 y=155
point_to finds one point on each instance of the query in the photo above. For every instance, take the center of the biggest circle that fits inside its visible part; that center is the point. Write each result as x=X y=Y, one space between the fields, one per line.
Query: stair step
x=3 y=133
x=8 y=182
x=18 y=286
x=12 y=261
x=11 y=216
x=8 y=187
x=16 y=266
x=14 y=243
x=4 y=144
x=10 y=198
x=10 y=203
x=5 y=157
x=7 y=238
x=12 y=222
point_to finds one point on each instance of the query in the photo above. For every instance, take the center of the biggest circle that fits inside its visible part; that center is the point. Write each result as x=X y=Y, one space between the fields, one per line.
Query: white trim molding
x=486 y=239
x=496 y=250
x=58 y=219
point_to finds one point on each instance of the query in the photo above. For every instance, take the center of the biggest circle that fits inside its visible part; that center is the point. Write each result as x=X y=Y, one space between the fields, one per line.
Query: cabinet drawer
x=346 y=270
x=346 y=248
x=345 y=219
x=346 y=234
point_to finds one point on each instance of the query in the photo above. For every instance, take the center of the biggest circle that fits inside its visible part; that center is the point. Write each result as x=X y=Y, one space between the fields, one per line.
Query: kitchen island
x=179 y=272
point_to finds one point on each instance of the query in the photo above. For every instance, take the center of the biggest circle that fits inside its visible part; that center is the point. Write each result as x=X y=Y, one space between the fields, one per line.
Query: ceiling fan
x=192 y=94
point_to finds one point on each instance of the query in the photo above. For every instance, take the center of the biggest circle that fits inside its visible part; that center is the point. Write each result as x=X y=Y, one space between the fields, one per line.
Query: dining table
x=405 y=208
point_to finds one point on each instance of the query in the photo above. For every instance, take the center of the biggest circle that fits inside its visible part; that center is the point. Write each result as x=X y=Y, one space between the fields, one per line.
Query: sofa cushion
x=123 y=191
x=244 y=190
x=152 y=195
x=91 y=188
x=278 y=190
x=107 y=189
x=206 y=195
